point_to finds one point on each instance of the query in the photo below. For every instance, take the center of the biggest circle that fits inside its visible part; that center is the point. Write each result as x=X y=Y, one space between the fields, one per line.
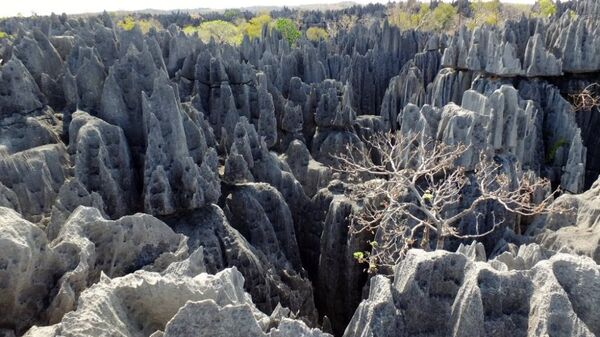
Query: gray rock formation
x=172 y=179
x=120 y=101
x=84 y=79
x=29 y=271
x=448 y=86
x=225 y=247
x=261 y=215
x=539 y=61
x=529 y=48
x=576 y=230
x=71 y=195
x=291 y=124
x=103 y=162
x=312 y=174
x=20 y=93
x=9 y=199
x=42 y=279
x=340 y=279
x=406 y=88
x=334 y=120
x=575 y=40
x=498 y=123
x=41 y=59
x=267 y=123
x=147 y=303
x=114 y=248
x=234 y=147
x=446 y=294
x=35 y=176
x=21 y=132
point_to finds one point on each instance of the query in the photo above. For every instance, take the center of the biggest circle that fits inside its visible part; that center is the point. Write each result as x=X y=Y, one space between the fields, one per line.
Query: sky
x=45 y=7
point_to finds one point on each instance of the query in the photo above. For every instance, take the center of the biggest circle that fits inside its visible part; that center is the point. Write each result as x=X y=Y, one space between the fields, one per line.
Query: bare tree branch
x=410 y=189
x=587 y=99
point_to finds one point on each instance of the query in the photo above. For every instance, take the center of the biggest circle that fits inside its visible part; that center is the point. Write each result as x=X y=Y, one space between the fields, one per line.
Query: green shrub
x=221 y=31
x=485 y=12
x=406 y=19
x=231 y=14
x=128 y=22
x=253 y=28
x=288 y=29
x=316 y=34
x=443 y=17
x=4 y=35
x=554 y=148
x=547 y=8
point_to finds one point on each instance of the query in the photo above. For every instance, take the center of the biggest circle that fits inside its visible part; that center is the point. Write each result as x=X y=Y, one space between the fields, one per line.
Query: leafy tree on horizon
x=288 y=29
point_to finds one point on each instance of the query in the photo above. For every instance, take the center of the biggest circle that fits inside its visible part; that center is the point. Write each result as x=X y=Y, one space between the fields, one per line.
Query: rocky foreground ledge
x=452 y=294
x=530 y=292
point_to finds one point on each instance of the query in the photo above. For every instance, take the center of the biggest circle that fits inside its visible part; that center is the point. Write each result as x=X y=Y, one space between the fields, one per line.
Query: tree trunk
x=440 y=238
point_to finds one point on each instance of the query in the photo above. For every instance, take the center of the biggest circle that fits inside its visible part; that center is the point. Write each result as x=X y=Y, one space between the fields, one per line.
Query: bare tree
x=587 y=99
x=417 y=182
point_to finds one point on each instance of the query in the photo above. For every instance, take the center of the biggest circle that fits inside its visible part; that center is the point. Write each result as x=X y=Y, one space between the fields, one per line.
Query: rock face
x=29 y=271
x=261 y=215
x=312 y=174
x=35 y=176
x=173 y=179
x=146 y=303
x=42 y=279
x=576 y=231
x=334 y=119
x=114 y=248
x=224 y=246
x=516 y=50
x=340 y=277
x=102 y=161
x=494 y=118
x=447 y=294
x=20 y=92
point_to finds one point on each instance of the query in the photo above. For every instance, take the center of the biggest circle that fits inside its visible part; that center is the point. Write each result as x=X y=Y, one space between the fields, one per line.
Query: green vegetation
x=232 y=14
x=445 y=17
x=227 y=32
x=358 y=256
x=547 y=8
x=441 y=18
x=4 y=35
x=254 y=27
x=288 y=29
x=128 y=22
x=409 y=18
x=485 y=12
x=316 y=34
x=221 y=31
x=554 y=148
x=365 y=257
